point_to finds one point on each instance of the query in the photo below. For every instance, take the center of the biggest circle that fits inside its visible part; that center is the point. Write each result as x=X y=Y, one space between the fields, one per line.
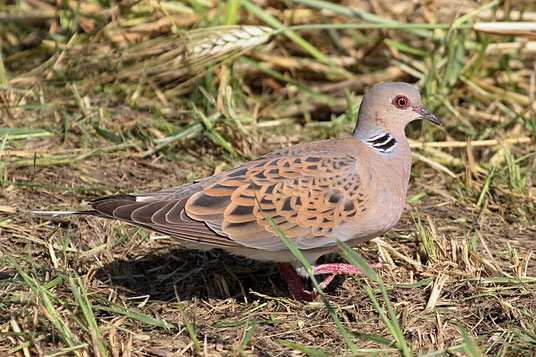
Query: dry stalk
x=439 y=282
x=526 y=29
x=475 y=143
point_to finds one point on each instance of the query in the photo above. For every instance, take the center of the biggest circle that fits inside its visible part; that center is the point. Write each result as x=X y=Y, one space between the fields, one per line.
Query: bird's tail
x=90 y=212
x=55 y=213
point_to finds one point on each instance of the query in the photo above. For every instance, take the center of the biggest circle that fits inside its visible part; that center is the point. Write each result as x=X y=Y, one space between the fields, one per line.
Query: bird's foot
x=295 y=285
x=334 y=269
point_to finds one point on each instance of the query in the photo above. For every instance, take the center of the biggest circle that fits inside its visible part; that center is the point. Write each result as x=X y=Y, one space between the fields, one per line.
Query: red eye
x=401 y=102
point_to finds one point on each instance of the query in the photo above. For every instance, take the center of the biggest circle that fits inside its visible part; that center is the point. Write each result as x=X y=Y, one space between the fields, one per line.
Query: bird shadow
x=186 y=274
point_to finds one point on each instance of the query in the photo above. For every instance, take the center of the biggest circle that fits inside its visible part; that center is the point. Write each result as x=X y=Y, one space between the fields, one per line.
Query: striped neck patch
x=382 y=142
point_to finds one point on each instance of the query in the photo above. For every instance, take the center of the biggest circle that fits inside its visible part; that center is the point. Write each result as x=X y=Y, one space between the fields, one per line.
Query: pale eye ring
x=401 y=102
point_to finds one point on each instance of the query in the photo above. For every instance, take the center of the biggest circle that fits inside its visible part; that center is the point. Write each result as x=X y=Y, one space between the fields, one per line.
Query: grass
x=98 y=100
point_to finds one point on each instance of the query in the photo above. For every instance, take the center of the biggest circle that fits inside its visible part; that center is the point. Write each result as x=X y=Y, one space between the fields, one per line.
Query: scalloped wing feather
x=306 y=196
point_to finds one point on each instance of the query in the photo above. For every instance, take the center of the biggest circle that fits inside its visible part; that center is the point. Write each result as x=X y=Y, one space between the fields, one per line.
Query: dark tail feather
x=90 y=213
x=116 y=197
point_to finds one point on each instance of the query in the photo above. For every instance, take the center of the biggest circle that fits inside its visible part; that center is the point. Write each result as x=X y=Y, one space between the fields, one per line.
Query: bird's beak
x=425 y=114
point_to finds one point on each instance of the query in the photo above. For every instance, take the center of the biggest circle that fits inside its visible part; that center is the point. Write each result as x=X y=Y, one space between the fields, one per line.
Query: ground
x=459 y=275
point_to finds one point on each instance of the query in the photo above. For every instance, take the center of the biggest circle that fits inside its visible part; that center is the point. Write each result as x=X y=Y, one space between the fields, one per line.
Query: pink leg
x=295 y=285
x=338 y=268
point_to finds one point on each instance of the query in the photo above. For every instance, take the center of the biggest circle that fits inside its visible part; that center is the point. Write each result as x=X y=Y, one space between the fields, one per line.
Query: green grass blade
x=187 y=324
x=2 y=146
x=462 y=19
x=369 y=26
x=48 y=307
x=59 y=188
x=486 y=187
x=390 y=322
x=69 y=350
x=470 y=346
x=3 y=74
x=211 y=131
x=296 y=252
x=248 y=335
x=125 y=311
x=311 y=352
x=365 y=16
x=320 y=97
x=24 y=133
x=374 y=338
x=272 y=21
x=81 y=298
x=358 y=261
x=231 y=11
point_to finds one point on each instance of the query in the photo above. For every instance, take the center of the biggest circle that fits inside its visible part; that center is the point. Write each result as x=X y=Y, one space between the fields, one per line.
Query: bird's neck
x=391 y=145
x=382 y=140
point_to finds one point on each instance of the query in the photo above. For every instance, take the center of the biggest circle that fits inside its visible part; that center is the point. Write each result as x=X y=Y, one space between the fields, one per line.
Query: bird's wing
x=307 y=193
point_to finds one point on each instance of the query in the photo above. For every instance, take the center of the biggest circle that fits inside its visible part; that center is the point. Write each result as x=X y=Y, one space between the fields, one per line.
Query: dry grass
x=100 y=98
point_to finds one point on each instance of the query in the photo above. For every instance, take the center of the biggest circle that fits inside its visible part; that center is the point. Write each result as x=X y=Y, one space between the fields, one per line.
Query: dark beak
x=425 y=114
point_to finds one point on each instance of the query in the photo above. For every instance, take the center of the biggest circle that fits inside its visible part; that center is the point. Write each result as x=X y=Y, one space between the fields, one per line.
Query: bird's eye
x=401 y=102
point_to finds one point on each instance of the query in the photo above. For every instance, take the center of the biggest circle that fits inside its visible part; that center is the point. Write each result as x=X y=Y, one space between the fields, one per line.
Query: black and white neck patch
x=383 y=142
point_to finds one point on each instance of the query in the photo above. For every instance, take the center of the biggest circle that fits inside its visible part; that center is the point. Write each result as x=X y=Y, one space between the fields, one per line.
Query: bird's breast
x=385 y=184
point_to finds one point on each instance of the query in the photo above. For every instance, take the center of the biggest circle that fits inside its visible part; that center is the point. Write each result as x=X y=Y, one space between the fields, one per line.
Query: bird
x=352 y=188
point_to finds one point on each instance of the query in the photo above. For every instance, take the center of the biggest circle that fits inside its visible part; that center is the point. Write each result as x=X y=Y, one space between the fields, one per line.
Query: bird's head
x=389 y=107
